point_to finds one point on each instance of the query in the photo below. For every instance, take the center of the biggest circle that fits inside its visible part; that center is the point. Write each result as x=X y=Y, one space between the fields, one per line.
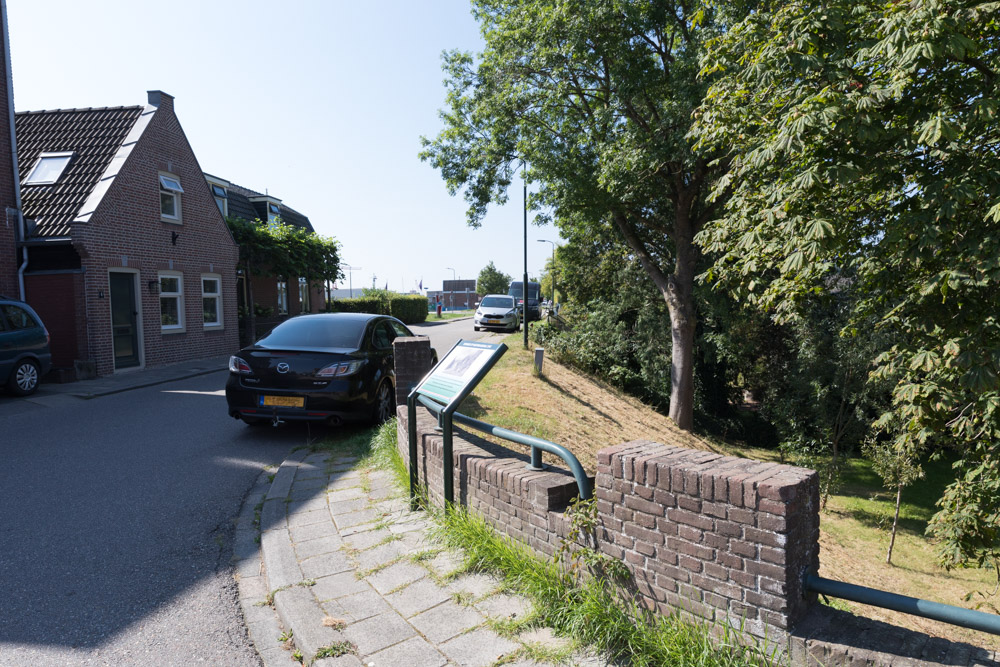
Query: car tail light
x=238 y=366
x=340 y=369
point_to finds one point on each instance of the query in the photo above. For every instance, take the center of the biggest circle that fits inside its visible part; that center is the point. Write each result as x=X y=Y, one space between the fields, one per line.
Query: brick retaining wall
x=718 y=538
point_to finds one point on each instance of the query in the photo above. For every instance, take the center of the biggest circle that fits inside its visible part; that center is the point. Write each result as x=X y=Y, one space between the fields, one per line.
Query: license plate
x=493 y=321
x=283 y=401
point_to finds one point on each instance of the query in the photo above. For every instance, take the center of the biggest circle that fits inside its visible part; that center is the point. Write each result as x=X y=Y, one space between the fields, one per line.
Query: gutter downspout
x=21 y=235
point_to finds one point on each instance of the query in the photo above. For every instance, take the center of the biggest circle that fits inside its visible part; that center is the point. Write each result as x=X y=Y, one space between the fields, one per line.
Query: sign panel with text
x=460 y=371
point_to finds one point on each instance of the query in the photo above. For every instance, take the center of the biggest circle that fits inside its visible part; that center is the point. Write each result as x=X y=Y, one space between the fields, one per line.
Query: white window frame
x=179 y=295
x=31 y=180
x=304 y=305
x=282 y=289
x=221 y=200
x=170 y=185
x=217 y=296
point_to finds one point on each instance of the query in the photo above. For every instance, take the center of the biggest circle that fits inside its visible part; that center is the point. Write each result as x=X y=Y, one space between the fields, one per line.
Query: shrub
x=410 y=309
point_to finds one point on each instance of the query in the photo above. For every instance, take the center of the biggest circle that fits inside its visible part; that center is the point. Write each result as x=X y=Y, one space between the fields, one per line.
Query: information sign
x=460 y=370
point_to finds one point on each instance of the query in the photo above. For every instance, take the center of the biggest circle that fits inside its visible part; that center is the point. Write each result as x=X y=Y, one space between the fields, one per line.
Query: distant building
x=455 y=295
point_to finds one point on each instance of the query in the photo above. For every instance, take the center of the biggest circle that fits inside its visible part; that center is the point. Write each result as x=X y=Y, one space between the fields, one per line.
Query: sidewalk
x=344 y=569
x=135 y=379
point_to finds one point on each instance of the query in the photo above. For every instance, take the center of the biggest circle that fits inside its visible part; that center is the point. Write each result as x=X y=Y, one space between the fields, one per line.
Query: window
x=399 y=328
x=211 y=300
x=303 y=295
x=49 y=168
x=18 y=317
x=171 y=302
x=382 y=336
x=282 y=297
x=273 y=213
x=221 y=199
x=170 y=197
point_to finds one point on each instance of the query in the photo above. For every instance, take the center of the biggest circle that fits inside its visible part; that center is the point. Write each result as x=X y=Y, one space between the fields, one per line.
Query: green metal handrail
x=537 y=445
x=967 y=618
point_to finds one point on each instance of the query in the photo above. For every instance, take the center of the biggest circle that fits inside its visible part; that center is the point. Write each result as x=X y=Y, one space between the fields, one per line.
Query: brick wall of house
x=56 y=297
x=8 y=250
x=126 y=232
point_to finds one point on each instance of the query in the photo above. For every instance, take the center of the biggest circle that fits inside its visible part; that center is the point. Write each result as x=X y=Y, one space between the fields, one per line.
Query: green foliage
x=620 y=340
x=492 y=280
x=277 y=249
x=863 y=142
x=409 y=308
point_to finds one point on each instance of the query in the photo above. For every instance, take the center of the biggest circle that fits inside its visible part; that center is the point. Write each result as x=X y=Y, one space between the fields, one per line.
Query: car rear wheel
x=24 y=379
x=384 y=403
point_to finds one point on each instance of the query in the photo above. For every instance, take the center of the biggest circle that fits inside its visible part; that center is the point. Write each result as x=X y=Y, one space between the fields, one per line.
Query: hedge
x=409 y=309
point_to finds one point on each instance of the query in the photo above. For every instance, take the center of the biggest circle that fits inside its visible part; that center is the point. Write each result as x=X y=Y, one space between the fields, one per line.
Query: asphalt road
x=116 y=517
x=116 y=521
x=445 y=334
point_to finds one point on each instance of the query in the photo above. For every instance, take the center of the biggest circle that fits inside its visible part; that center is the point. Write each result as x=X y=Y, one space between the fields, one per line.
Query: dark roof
x=240 y=206
x=94 y=135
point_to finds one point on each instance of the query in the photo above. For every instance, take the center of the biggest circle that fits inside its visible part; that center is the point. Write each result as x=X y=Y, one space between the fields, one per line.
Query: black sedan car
x=331 y=367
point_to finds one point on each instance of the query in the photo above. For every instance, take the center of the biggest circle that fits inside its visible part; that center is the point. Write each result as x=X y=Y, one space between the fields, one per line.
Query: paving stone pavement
x=335 y=570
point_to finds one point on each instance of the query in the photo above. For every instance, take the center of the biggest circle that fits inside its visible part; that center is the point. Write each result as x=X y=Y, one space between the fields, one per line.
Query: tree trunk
x=250 y=326
x=895 y=522
x=678 y=292
x=683 y=319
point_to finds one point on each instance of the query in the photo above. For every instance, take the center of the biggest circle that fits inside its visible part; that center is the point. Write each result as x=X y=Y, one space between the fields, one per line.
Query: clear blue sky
x=320 y=102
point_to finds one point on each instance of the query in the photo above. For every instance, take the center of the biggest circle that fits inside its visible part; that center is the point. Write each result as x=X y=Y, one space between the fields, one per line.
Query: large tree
x=865 y=146
x=595 y=97
x=492 y=280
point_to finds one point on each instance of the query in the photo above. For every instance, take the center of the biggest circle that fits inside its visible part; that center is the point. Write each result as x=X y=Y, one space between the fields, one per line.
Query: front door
x=124 y=332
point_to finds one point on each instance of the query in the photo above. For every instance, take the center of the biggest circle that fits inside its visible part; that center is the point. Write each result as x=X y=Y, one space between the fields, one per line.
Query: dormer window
x=273 y=212
x=49 y=168
x=221 y=199
x=170 y=198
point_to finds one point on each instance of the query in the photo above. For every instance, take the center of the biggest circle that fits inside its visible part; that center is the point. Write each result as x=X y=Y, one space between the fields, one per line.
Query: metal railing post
x=411 y=435
x=449 y=463
x=536 y=460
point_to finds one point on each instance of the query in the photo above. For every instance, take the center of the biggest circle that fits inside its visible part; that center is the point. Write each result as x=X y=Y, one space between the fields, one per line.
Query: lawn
x=449 y=315
x=585 y=415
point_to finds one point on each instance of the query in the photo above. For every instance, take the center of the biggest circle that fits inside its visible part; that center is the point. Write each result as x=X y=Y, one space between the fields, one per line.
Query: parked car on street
x=497 y=311
x=24 y=347
x=530 y=306
x=331 y=367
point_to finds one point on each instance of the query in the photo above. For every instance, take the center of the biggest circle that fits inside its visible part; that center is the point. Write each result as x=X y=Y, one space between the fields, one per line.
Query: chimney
x=160 y=99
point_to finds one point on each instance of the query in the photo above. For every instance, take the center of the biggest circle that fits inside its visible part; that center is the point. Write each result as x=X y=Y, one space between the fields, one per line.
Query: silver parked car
x=497 y=311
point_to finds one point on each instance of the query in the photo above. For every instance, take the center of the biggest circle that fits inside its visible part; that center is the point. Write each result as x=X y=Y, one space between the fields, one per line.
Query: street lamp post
x=524 y=284
x=553 y=267
x=452 y=292
x=350 y=276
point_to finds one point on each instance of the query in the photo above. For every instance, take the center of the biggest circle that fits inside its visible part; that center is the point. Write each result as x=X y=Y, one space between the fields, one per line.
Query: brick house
x=130 y=263
x=281 y=296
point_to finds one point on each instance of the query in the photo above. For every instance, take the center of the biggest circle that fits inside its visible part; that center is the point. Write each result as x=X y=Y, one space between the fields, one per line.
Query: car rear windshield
x=497 y=302
x=315 y=332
